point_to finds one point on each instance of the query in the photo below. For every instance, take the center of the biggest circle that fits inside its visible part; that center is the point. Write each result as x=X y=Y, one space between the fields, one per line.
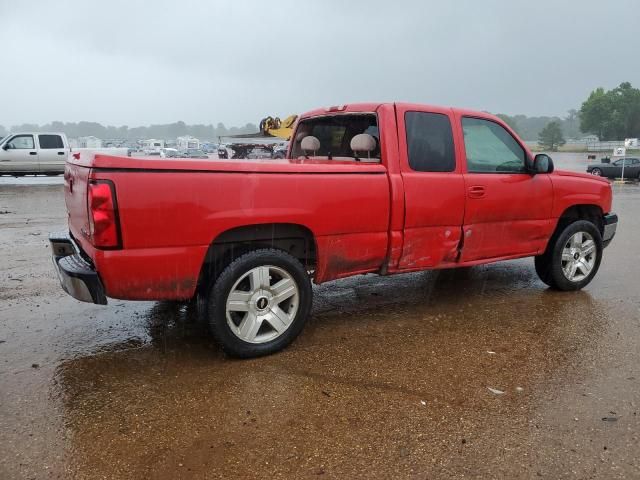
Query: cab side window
x=50 y=141
x=429 y=142
x=21 y=142
x=490 y=148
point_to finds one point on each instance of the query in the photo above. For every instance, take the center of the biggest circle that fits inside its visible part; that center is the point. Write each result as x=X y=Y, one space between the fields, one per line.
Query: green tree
x=612 y=114
x=551 y=136
x=571 y=124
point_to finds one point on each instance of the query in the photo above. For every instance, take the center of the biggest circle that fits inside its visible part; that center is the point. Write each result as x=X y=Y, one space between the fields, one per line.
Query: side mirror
x=542 y=163
x=6 y=146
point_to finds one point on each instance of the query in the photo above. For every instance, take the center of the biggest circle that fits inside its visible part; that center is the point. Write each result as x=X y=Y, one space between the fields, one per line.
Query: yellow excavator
x=270 y=129
x=274 y=127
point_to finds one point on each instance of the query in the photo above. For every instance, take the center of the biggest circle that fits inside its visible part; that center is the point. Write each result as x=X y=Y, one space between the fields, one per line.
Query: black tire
x=549 y=265
x=216 y=313
x=597 y=172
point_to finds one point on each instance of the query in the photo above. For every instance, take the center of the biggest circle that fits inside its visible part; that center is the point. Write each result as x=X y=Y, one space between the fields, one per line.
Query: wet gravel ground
x=480 y=373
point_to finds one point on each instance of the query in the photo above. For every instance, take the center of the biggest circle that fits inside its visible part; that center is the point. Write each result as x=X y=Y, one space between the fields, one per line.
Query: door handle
x=33 y=153
x=60 y=153
x=477 y=191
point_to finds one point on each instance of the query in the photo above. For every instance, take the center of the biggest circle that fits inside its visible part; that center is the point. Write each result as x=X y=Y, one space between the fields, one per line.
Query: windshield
x=335 y=134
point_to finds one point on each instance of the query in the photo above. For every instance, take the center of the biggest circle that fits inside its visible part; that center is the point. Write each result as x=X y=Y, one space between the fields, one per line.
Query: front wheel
x=597 y=172
x=572 y=258
x=260 y=303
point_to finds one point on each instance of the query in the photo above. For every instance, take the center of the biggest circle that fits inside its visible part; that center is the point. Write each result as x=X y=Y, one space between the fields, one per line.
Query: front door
x=19 y=154
x=433 y=188
x=507 y=210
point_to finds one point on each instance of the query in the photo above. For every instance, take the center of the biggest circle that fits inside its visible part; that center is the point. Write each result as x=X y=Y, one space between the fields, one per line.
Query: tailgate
x=76 y=178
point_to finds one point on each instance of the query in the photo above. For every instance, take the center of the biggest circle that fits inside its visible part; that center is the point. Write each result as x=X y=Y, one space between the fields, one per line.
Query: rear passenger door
x=433 y=187
x=52 y=153
x=19 y=154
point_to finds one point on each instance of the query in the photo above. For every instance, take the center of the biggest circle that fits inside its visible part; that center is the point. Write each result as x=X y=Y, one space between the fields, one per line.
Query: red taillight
x=103 y=215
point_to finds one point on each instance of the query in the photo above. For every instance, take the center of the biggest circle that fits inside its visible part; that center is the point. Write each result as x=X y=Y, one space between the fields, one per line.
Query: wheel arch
x=296 y=239
x=582 y=211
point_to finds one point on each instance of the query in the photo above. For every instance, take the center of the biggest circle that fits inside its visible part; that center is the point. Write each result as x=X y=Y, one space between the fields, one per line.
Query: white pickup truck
x=44 y=153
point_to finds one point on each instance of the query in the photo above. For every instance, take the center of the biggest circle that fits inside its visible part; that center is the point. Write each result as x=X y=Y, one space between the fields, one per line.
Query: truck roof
x=374 y=106
x=36 y=133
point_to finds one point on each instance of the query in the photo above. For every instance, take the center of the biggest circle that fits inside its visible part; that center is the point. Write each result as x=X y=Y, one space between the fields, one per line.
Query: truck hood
x=566 y=173
x=109 y=162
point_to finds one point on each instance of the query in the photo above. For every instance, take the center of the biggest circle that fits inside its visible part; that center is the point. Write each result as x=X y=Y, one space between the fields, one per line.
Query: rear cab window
x=334 y=134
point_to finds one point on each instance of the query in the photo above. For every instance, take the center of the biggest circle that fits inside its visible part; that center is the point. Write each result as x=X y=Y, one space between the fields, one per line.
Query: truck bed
x=171 y=211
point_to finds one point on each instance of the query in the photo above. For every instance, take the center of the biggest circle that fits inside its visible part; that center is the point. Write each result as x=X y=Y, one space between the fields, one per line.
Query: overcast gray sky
x=137 y=63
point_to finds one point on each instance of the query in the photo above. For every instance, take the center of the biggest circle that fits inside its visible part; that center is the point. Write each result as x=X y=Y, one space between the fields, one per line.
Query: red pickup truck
x=384 y=188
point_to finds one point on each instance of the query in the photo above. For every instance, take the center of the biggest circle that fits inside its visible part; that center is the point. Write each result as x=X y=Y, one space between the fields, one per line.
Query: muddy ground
x=390 y=379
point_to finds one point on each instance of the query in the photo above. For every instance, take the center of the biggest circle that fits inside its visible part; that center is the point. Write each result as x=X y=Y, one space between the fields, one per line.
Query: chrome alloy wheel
x=578 y=256
x=262 y=304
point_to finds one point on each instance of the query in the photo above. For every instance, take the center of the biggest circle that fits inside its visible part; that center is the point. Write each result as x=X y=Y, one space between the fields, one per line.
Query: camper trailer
x=152 y=146
x=187 y=143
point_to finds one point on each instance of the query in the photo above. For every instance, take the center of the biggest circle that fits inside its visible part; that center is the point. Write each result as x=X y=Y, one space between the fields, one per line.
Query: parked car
x=209 y=147
x=370 y=188
x=169 y=153
x=29 y=152
x=259 y=153
x=40 y=153
x=614 y=169
x=280 y=151
x=193 y=154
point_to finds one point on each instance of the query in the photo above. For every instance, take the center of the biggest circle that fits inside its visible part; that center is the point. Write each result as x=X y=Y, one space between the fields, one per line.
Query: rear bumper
x=77 y=276
x=610 y=222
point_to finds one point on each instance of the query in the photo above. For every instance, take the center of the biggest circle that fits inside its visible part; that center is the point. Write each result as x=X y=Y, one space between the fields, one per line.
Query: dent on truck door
x=434 y=189
x=507 y=210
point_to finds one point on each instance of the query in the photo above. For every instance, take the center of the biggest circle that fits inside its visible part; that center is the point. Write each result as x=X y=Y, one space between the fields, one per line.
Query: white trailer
x=187 y=142
x=152 y=146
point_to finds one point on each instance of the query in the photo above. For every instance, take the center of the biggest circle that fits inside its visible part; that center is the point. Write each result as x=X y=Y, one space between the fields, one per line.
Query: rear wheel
x=572 y=258
x=259 y=304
